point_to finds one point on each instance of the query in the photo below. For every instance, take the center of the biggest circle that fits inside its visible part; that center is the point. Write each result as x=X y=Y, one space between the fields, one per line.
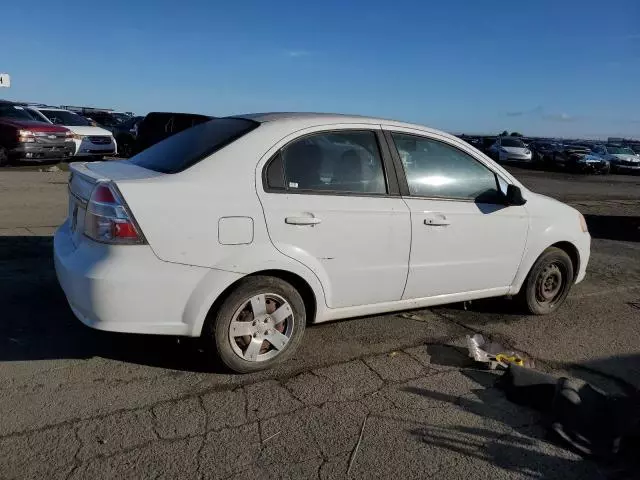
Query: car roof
x=313 y=117
x=40 y=107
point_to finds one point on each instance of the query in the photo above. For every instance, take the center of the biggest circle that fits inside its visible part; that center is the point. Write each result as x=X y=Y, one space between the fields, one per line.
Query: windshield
x=512 y=142
x=14 y=111
x=184 y=149
x=64 y=117
x=619 y=150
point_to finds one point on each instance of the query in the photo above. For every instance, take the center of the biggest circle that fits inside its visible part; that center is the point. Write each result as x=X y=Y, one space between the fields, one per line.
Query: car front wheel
x=548 y=282
x=259 y=325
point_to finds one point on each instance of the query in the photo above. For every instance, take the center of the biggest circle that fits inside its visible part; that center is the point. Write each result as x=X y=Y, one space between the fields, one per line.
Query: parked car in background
x=622 y=159
x=577 y=158
x=510 y=149
x=541 y=151
x=104 y=118
x=157 y=126
x=126 y=134
x=485 y=144
x=244 y=229
x=90 y=142
x=635 y=147
x=24 y=139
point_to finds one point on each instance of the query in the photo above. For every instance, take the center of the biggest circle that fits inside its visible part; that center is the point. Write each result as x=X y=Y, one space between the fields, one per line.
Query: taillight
x=108 y=220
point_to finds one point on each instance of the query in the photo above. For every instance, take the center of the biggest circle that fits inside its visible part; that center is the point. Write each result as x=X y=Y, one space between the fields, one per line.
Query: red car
x=23 y=138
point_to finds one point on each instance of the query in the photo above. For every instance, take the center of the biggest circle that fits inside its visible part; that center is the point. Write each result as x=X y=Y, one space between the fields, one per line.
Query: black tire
x=4 y=157
x=537 y=295
x=125 y=150
x=218 y=331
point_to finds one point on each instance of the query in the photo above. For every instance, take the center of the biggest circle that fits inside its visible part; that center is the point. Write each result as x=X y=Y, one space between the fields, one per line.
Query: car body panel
x=359 y=237
x=179 y=215
x=546 y=231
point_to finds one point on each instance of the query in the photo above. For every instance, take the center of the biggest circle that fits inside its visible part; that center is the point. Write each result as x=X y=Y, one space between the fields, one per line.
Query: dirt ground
x=375 y=397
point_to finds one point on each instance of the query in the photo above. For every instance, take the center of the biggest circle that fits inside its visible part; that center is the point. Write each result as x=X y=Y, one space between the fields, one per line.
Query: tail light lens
x=108 y=219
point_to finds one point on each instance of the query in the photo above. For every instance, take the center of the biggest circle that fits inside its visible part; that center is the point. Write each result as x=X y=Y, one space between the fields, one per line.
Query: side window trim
x=388 y=167
x=402 y=175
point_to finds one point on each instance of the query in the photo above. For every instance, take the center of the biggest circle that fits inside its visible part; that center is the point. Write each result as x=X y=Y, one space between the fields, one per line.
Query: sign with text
x=5 y=80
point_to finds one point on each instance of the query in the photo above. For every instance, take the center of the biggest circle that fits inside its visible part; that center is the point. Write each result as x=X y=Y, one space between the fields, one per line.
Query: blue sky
x=542 y=67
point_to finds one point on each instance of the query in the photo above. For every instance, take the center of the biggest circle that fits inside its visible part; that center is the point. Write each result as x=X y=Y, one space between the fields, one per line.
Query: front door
x=464 y=238
x=328 y=204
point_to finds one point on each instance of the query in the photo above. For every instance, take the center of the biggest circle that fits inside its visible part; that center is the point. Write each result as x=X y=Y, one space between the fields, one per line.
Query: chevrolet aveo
x=244 y=229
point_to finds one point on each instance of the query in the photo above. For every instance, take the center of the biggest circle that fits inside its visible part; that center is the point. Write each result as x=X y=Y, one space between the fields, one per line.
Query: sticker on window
x=293 y=184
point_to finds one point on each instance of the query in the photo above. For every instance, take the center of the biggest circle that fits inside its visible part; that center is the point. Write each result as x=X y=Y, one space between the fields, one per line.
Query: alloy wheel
x=261 y=328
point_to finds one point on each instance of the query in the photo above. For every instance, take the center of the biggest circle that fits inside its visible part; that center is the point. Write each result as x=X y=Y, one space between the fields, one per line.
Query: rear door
x=464 y=238
x=331 y=202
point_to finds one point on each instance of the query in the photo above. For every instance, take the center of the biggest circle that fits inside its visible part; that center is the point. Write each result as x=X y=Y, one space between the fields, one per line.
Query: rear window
x=181 y=151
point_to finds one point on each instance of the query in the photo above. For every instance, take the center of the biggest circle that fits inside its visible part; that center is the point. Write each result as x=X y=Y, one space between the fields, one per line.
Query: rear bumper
x=124 y=288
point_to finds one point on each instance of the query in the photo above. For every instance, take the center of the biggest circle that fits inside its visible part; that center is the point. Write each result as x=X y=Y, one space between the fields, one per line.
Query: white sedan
x=244 y=229
x=510 y=149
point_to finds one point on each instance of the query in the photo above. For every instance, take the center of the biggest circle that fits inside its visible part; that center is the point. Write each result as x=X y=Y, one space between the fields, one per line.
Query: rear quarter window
x=185 y=149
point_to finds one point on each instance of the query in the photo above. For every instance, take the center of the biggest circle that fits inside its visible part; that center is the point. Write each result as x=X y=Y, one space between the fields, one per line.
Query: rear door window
x=181 y=151
x=339 y=161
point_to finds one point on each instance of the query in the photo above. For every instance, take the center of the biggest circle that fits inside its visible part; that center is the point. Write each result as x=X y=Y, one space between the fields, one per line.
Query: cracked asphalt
x=375 y=397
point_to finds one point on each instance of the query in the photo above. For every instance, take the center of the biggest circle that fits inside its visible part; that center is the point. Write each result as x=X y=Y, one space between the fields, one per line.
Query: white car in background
x=244 y=229
x=90 y=141
x=510 y=149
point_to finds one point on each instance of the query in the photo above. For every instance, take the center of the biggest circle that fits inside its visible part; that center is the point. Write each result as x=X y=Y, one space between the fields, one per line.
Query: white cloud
x=559 y=117
x=297 y=53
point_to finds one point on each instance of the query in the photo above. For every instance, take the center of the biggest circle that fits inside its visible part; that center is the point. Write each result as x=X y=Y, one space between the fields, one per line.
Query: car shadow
x=526 y=448
x=37 y=323
x=614 y=227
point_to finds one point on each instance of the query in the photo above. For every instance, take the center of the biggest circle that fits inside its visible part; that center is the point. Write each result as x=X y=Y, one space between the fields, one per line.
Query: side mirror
x=514 y=196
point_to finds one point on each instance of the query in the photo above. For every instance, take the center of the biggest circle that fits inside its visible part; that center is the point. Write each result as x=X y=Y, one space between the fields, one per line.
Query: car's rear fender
x=260 y=258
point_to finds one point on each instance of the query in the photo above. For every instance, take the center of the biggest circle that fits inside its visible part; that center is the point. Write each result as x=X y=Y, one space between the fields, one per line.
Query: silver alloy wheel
x=261 y=328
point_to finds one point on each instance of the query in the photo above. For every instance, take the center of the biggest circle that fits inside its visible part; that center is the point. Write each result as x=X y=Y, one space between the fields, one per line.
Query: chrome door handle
x=439 y=221
x=302 y=220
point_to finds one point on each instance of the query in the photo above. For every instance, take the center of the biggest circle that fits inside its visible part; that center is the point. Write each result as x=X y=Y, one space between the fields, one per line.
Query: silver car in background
x=620 y=158
x=510 y=149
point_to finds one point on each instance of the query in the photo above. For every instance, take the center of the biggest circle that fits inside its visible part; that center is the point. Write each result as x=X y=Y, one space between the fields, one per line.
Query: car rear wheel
x=259 y=325
x=548 y=283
